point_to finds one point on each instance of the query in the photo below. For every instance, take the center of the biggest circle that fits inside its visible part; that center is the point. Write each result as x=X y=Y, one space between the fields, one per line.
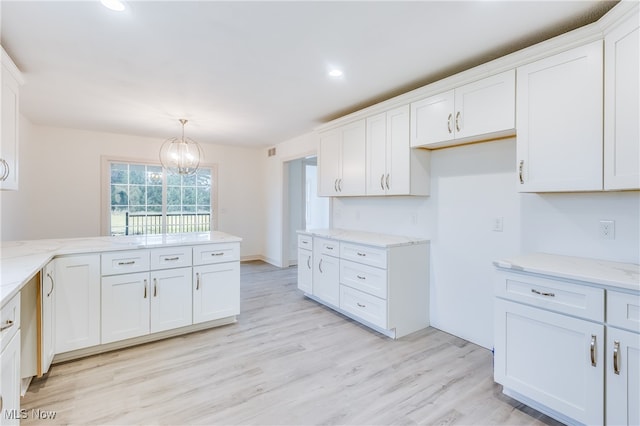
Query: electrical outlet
x=497 y=224
x=607 y=230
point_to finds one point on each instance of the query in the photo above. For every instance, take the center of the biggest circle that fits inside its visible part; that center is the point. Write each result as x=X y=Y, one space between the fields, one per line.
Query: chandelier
x=180 y=156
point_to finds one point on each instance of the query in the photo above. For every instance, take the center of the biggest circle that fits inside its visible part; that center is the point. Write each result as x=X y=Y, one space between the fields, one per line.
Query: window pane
x=189 y=180
x=188 y=196
x=137 y=173
x=204 y=196
x=119 y=173
x=154 y=175
x=174 y=196
x=137 y=195
x=119 y=195
x=174 y=179
x=154 y=195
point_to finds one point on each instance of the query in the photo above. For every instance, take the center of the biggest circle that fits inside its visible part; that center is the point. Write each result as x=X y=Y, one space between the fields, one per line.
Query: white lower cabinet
x=10 y=377
x=216 y=291
x=170 y=299
x=305 y=270
x=48 y=317
x=77 y=302
x=553 y=359
x=125 y=306
x=561 y=350
x=385 y=287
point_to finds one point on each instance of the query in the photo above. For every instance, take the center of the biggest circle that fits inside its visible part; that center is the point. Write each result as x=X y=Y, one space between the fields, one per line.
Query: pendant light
x=180 y=156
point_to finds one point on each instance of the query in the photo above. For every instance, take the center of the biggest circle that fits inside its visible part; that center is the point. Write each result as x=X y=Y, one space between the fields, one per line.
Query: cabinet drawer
x=326 y=246
x=364 y=278
x=9 y=320
x=305 y=241
x=560 y=296
x=125 y=262
x=363 y=305
x=623 y=310
x=362 y=254
x=170 y=257
x=216 y=253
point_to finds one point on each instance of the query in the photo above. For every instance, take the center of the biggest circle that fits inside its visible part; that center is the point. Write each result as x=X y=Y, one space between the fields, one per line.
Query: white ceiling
x=253 y=73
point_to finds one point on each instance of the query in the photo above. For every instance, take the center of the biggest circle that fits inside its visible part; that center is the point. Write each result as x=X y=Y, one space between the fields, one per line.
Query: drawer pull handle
x=361 y=305
x=541 y=293
x=329 y=247
x=360 y=277
x=592 y=350
x=616 y=357
x=362 y=254
x=130 y=262
x=52 y=284
x=220 y=253
x=169 y=259
x=305 y=242
x=9 y=324
x=197 y=280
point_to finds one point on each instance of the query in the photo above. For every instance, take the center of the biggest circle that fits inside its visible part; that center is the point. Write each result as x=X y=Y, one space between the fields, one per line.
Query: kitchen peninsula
x=68 y=298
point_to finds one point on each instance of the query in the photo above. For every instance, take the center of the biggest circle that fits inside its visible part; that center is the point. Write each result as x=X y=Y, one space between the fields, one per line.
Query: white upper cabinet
x=621 y=108
x=482 y=110
x=559 y=121
x=341 y=161
x=393 y=168
x=11 y=80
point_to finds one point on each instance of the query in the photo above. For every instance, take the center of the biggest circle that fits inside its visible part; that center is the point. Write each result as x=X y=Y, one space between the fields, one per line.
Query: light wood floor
x=286 y=361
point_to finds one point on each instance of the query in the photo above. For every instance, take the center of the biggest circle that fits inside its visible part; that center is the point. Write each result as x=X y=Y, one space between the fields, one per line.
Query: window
x=144 y=199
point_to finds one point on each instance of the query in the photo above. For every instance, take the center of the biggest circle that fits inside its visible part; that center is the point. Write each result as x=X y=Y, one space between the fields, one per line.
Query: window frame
x=105 y=190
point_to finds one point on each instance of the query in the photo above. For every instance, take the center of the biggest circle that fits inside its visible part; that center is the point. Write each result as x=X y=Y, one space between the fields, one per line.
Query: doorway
x=303 y=209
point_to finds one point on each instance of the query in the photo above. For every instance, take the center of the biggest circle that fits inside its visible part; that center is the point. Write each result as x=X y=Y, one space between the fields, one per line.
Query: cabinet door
x=48 y=320
x=485 y=107
x=10 y=382
x=326 y=279
x=171 y=299
x=623 y=377
x=329 y=163
x=9 y=143
x=353 y=176
x=125 y=306
x=553 y=359
x=432 y=119
x=77 y=302
x=305 y=270
x=376 y=169
x=559 y=122
x=622 y=107
x=216 y=291
x=398 y=152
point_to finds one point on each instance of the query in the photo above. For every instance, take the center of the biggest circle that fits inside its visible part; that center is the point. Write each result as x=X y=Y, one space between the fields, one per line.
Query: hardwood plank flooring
x=287 y=361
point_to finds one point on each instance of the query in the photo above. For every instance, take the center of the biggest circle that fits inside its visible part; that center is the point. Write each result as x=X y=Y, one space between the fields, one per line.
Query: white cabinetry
x=10 y=362
x=559 y=349
x=216 y=281
x=392 y=167
x=48 y=318
x=623 y=359
x=341 y=161
x=622 y=106
x=326 y=279
x=384 y=287
x=77 y=302
x=142 y=302
x=559 y=121
x=11 y=80
x=477 y=111
x=305 y=263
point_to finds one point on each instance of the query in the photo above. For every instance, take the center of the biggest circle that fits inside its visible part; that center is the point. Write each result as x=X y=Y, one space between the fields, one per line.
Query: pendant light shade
x=180 y=156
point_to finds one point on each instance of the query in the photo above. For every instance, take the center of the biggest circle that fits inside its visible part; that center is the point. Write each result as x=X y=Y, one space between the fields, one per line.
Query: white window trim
x=105 y=189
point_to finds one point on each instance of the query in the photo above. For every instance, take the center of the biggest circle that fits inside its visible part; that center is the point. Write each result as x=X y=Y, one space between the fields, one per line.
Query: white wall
x=60 y=183
x=274 y=187
x=471 y=186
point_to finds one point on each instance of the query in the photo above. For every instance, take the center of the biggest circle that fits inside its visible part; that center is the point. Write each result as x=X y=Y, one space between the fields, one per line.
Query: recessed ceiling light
x=335 y=73
x=116 y=5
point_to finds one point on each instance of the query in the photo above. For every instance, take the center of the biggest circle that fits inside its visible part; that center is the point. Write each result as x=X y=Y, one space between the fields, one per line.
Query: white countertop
x=21 y=260
x=361 y=237
x=602 y=272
